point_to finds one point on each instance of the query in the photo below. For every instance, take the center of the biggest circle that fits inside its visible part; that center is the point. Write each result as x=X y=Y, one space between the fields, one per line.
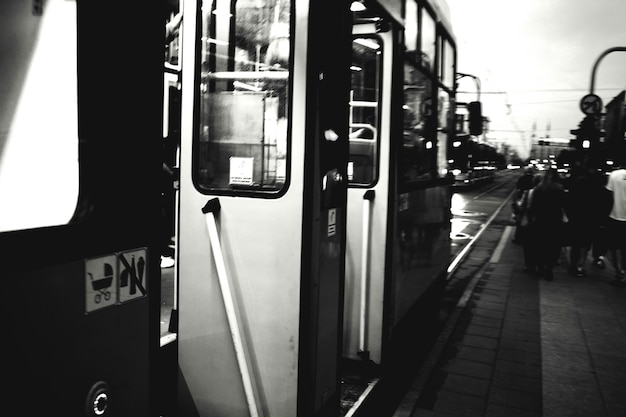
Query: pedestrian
x=528 y=230
x=587 y=208
x=603 y=206
x=522 y=187
x=616 y=226
x=546 y=213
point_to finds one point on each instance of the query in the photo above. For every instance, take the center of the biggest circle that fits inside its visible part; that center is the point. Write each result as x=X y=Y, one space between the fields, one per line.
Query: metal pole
x=595 y=66
x=476 y=81
x=365 y=244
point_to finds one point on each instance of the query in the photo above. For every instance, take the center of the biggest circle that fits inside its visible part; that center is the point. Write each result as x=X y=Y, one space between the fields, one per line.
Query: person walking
x=602 y=209
x=579 y=209
x=520 y=199
x=616 y=226
x=527 y=228
x=546 y=212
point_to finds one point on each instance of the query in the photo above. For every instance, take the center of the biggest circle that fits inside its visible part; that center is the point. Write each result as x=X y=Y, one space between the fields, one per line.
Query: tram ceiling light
x=357 y=6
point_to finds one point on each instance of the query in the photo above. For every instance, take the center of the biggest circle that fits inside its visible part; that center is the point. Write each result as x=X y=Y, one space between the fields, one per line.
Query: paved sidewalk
x=523 y=346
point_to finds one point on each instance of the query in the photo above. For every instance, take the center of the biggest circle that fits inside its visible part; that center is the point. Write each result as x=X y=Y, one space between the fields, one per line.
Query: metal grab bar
x=368 y=197
x=210 y=209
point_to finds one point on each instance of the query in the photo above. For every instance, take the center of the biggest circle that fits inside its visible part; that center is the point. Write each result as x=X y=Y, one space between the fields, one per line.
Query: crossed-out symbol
x=591 y=104
x=133 y=274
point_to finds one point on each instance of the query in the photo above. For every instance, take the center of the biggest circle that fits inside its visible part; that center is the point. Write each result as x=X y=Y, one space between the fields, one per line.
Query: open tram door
x=262 y=207
x=398 y=224
x=80 y=157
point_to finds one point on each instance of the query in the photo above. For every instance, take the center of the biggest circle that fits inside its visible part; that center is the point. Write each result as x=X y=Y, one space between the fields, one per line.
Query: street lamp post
x=595 y=66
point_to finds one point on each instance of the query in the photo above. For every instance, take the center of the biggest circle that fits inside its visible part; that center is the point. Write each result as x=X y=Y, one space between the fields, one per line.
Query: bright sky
x=534 y=59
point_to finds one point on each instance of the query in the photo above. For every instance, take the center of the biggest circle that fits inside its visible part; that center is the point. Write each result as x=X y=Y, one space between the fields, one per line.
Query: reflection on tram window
x=417 y=159
x=365 y=95
x=242 y=143
x=444 y=125
x=447 y=64
x=38 y=114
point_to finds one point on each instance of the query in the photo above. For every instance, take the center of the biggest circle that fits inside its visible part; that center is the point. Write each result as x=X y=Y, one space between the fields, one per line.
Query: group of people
x=585 y=212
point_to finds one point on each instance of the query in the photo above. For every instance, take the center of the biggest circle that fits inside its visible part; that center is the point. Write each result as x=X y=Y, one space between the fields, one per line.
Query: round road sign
x=591 y=104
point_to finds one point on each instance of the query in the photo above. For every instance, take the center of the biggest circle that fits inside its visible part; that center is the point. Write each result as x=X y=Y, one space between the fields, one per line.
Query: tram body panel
x=78 y=341
x=421 y=244
x=105 y=345
x=377 y=239
x=262 y=278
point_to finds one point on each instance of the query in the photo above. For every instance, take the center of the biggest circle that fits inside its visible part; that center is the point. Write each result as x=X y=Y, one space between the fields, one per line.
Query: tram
x=308 y=143
x=473 y=162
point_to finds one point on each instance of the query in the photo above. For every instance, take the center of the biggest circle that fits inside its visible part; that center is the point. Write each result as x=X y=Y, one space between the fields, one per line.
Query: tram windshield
x=244 y=96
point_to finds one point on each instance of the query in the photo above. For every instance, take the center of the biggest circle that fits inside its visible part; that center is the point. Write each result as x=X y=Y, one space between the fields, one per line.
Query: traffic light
x=475 y=118
x=587 y=134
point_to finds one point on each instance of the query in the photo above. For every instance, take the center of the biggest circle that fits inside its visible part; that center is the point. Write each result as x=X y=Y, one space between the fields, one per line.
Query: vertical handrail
x=210 y=209
x=365 y=245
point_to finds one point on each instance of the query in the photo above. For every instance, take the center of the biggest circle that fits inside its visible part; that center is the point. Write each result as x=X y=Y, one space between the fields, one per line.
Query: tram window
x=445 y=128
x=38 y=114
x=365 y=95
x=417 y=159
x=242 y=131
x=447 y=65
x=428 y=35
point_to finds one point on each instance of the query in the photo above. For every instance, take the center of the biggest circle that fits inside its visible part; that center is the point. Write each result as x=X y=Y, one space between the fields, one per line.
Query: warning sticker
x=241 y=170
x=115 y=279
x=332 y=222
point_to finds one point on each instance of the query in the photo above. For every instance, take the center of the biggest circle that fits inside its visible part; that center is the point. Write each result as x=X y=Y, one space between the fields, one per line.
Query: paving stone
x=534 y=346
x=485 y=321
x=460 y=404
x=518 y=382
x=469 y=368
x=476 y=354
x=488 y=312
x=492 y=332
x=478 y=341
x=497 y=410
x=533 y=358
x=518 y=368
x=466 y=385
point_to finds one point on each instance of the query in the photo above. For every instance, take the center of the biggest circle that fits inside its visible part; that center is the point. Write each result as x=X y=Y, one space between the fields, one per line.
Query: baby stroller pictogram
x=102 y=284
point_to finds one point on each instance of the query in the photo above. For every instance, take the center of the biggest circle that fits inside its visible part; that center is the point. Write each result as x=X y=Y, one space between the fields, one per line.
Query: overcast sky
x=534 y=59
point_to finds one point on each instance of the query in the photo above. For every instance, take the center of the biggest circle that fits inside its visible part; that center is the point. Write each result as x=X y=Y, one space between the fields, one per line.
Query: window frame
x=379 y=99
x=198 y=96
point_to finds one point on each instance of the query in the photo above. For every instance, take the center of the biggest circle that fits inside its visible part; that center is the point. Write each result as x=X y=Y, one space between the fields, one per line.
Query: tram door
x=368 y=194
x=397 y=238
x=79 y=161
x=262 y=207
